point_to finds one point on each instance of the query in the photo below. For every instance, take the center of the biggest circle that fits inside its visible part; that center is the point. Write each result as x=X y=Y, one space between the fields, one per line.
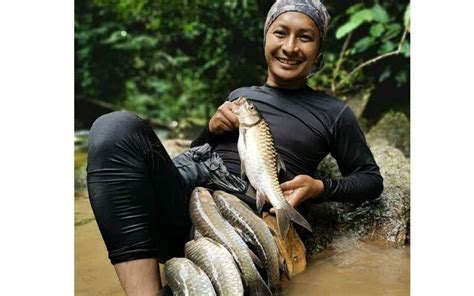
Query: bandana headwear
x=312 y=8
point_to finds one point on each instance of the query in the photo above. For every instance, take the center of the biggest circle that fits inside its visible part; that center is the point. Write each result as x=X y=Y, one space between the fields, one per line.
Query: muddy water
x=355 y=268
x=351 y=268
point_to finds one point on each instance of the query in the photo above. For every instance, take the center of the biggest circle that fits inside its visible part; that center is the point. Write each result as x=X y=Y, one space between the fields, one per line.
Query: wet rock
x=394 y=127
x=385 y=219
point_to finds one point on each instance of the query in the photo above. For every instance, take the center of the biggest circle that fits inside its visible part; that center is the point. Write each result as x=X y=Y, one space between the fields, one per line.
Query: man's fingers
x=231 y=117
x=240 y=100
x=288 y=185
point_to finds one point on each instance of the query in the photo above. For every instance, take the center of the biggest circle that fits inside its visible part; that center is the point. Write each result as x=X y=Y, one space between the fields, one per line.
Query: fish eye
x=251 y=107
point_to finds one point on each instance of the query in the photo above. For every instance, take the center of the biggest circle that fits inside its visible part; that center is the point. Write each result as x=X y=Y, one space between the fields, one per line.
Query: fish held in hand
x=261 y=164
x=186 y=279
x=217 y=263
x=207 y=219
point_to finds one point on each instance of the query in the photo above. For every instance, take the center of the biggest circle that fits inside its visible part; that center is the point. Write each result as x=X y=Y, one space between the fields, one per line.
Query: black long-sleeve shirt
x=307 y=125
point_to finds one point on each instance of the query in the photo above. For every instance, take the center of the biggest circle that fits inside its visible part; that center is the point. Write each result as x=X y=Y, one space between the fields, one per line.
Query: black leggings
x=138 y=196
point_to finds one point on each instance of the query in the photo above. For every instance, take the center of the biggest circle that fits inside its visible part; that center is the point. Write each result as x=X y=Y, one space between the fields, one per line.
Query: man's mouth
x=288 y=61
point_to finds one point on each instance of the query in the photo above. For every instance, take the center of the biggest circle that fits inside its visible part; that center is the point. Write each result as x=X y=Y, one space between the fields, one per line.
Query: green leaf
x=354 y=8
x=401 y=78
x=391 y=31
x=376 y=30
x=385 y=74
x=380 y=14
x=363 y=44
x=365 y=15
x=405 y=50
x=387 y=46
x=407 y=18
x=115 y=37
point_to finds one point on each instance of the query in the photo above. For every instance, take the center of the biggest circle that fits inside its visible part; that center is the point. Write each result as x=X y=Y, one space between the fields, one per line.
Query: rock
x=394 y=127
x=358 y=101
x=385 y=219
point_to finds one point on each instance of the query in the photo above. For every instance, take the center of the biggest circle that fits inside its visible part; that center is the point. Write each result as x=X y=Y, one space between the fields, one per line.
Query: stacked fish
x=220 y=261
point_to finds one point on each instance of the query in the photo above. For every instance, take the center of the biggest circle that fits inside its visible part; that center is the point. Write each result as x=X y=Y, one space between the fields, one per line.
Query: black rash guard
x=307 y=125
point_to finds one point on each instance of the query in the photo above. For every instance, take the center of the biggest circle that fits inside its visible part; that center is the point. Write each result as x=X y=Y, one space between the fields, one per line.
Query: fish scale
x=210 y=223
x=259 y=162
x=186 y=279
x=217 y=263
x=256 y=232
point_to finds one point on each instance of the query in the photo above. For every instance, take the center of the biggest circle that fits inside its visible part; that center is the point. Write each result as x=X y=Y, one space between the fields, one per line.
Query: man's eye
x=306 y=38
x=279 y=33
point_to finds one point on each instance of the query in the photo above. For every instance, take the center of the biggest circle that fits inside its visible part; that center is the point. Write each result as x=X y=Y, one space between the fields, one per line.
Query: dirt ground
x=93 y=273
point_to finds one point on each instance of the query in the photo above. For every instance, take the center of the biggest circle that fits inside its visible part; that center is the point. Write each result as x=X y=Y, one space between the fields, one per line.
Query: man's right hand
x=225 y=120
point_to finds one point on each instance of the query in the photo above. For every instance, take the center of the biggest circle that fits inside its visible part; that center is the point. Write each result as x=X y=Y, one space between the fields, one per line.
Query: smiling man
x=291 y=48
x=140 y=197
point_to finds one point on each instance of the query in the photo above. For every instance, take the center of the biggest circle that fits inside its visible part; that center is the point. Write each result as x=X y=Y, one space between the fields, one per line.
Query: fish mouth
x=239 y=102
x=291 y=62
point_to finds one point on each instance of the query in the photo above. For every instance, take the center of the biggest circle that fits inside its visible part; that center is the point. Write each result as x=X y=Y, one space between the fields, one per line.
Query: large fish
x=255 y=231
x=186 y=279
x=210 y=223
x=261 y=163
x=217 y=263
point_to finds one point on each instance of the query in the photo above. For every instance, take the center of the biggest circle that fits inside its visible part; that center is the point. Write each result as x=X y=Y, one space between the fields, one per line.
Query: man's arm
x=361 y=180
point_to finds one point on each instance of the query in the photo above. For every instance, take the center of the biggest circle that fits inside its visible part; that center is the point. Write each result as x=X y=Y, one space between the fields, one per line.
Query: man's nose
x=291 y=45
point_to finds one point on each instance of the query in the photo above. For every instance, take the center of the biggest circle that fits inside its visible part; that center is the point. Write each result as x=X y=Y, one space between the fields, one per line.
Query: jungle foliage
x=171 y=60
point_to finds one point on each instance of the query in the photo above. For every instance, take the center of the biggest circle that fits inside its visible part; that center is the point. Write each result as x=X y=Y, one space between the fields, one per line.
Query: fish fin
x=255 y=259
x=280 y=164
x=283 y=222
x=259 y=287
x=197 y=234
x=261 y=198
x=283 y=266
x=244 y=204
x=246 y=238
x=242 y=169
x=296 y=217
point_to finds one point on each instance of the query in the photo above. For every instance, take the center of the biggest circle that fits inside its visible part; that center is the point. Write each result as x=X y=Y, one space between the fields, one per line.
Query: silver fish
x=217 y=263
x=210 y=223
x=186 y=279
x=261 y=163
x=255 y=231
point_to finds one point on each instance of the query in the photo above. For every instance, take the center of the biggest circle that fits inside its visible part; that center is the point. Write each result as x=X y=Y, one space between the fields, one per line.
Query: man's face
x=291 y=48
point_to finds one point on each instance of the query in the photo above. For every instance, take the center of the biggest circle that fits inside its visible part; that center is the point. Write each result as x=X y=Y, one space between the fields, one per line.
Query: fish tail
x=283 y=220
x=296 y=217
x=258 y=287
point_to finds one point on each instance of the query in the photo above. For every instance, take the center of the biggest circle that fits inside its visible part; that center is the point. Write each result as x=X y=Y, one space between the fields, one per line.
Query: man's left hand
x=301 y=188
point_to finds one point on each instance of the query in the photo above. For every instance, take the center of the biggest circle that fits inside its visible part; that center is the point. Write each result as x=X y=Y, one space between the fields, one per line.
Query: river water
x=353 y=267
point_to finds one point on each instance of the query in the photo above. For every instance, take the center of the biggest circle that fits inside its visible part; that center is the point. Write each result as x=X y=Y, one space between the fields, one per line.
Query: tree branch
x=339 y=62
x=376 y=59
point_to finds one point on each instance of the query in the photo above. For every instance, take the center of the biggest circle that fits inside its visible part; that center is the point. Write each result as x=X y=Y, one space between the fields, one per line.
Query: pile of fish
x=221 y=259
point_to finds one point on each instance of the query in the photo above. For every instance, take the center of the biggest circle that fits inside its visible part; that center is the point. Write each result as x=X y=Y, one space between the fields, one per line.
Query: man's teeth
x=288 y=61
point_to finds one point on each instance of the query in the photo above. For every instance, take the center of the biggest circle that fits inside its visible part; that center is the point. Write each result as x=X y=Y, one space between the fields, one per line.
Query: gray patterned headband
x=312 y=8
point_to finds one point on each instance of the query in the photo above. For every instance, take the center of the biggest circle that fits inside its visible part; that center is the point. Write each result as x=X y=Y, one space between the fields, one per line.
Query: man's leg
x=138 y=199
x=139 y=277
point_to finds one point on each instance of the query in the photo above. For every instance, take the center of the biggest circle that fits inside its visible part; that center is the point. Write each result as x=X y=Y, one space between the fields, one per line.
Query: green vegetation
x=177 y=60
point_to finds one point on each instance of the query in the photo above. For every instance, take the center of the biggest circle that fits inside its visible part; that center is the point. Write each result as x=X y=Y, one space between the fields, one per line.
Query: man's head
x=313 y=9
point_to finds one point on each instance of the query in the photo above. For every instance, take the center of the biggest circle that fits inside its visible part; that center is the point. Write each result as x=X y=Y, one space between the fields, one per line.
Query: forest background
x=174 y=62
